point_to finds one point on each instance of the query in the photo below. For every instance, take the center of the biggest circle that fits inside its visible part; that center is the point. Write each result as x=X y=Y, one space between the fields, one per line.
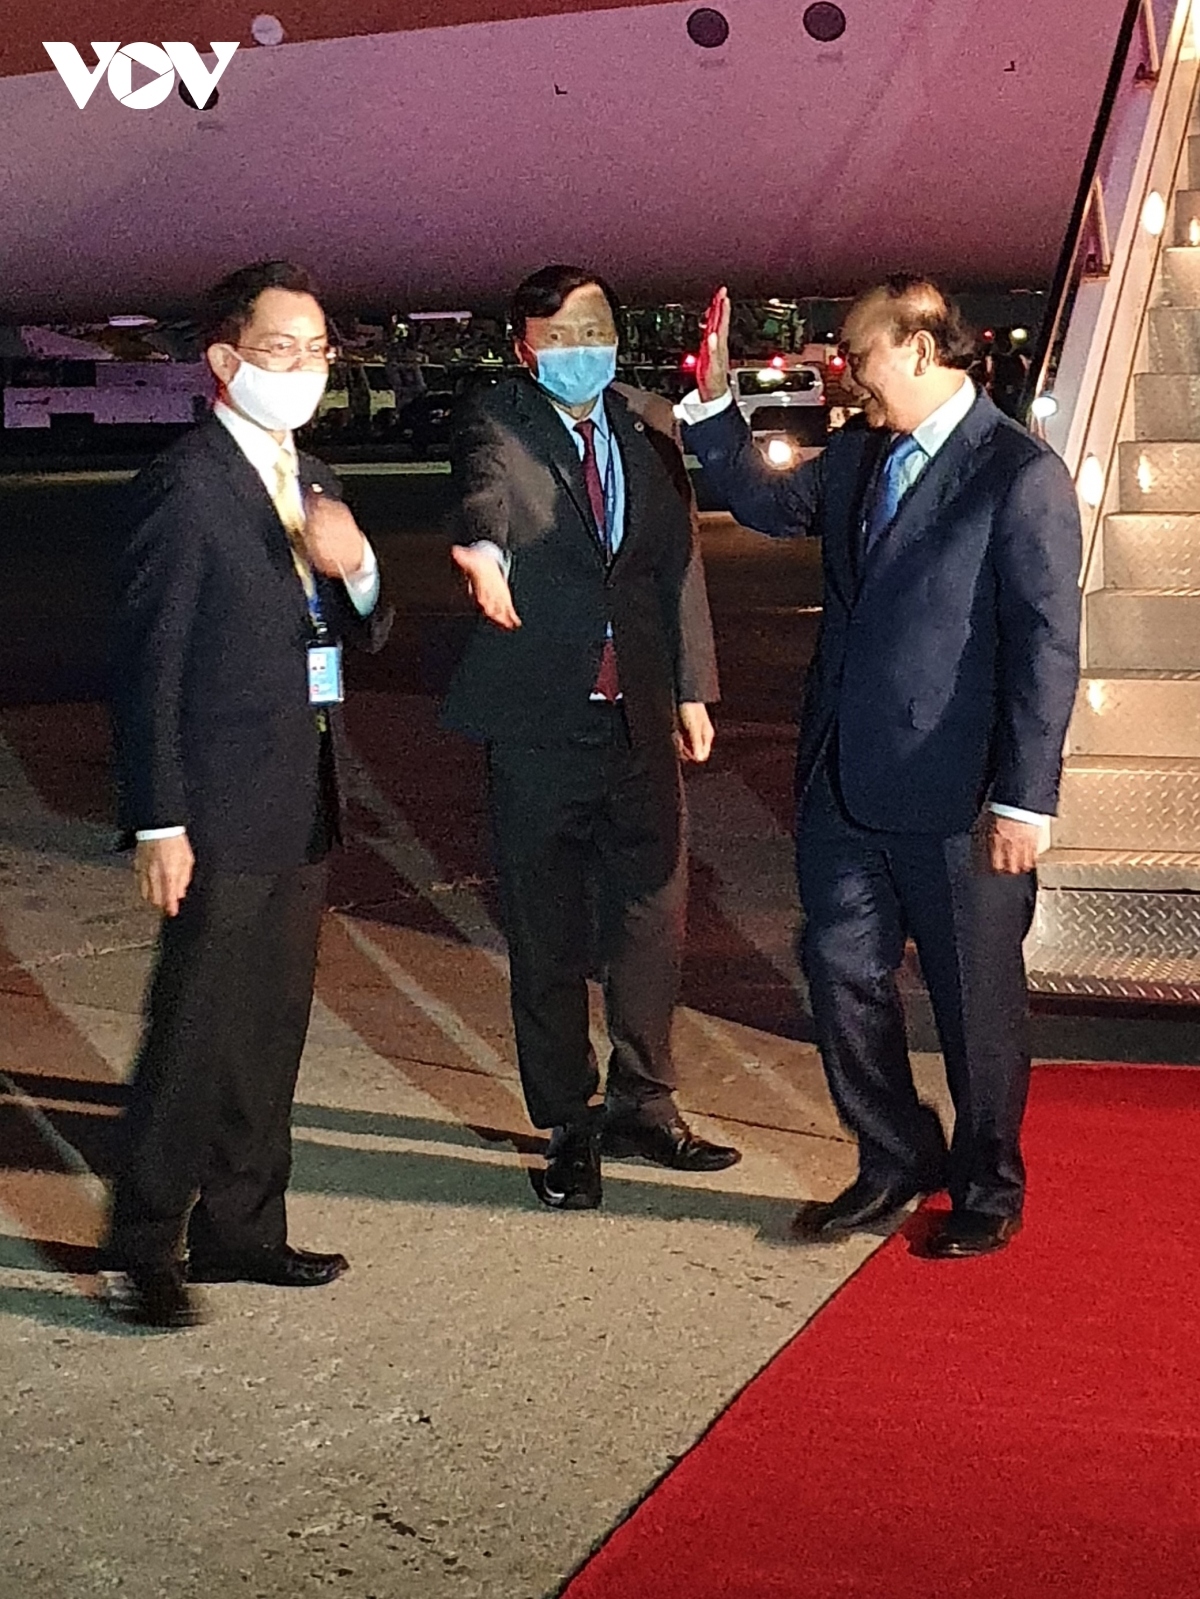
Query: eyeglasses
x=290 y=352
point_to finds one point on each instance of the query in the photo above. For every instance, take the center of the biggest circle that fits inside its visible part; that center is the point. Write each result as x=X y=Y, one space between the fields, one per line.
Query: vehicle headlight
x=781 y=453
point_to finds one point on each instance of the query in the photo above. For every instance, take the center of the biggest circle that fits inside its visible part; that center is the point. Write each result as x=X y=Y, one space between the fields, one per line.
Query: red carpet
x=1017 y=1427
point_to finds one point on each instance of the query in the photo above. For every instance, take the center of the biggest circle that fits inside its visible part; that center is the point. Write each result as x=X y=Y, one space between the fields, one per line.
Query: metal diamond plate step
x=1158 y=477
x=1181 y=277
x=1167 y=405
x=1152 y=552
x=1143 y=871
x=1119 y=944
x=1173 y=338
x=1144 y=628
x=1137 y=804
x=1139 y=715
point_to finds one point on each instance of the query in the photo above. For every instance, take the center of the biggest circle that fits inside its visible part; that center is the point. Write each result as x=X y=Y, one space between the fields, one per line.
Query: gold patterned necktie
x=290 y=508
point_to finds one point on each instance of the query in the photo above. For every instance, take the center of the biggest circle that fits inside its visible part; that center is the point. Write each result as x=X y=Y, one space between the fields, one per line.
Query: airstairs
x=1117 y=385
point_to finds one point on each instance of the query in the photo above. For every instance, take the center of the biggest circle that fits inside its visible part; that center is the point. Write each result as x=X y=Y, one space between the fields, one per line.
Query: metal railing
x=1086 y=253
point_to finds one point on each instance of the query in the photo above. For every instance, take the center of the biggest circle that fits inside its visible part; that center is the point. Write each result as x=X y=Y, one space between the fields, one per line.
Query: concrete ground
x=493 y=1385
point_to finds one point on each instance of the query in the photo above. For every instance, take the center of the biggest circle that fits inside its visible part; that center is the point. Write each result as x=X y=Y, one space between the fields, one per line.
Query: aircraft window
x=707 y=28
x=825 y=23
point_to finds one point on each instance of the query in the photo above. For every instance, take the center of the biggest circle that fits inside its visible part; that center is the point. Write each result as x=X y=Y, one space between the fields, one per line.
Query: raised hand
x=487 y=583
x=712 y=364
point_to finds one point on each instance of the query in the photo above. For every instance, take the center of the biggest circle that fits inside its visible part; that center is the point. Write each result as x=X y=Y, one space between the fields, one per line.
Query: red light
x=688 y=362
x=836 y=363
x=988 y=335
x=777 y=361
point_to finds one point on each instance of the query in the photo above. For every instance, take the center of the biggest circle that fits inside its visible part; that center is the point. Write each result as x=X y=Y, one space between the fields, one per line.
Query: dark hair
x=543 y=293
x=919 y=305
x=229 y=305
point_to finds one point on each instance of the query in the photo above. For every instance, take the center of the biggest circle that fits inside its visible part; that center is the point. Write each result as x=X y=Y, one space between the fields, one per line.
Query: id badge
x=325 y=674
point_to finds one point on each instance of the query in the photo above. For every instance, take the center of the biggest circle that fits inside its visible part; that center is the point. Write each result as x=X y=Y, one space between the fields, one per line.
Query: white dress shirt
x=262 y=450
x=931 y=436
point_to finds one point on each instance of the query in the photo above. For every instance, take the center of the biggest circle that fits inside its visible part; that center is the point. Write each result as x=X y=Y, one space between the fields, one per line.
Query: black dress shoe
x=964 y=1233
x=670 y=1143
x=155 y=1297
x=284 y=1267
x=571 y=1180
x=862 y=1205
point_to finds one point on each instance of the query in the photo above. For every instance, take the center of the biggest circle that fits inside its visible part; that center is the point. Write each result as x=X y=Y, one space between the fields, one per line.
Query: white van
x=783 y=400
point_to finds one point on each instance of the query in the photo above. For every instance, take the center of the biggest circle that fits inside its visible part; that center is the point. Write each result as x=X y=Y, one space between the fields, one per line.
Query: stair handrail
x=1089 y=198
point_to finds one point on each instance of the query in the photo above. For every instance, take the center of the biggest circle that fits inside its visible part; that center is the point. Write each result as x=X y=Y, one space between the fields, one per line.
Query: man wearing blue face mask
x=588 y=676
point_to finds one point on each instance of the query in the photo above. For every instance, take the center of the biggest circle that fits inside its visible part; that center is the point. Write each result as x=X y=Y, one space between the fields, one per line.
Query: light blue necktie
x=889 y=491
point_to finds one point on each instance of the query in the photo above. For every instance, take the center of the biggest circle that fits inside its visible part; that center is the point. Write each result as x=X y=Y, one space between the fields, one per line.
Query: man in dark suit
x=242 y=575
x=930 y=745
x=588 y=674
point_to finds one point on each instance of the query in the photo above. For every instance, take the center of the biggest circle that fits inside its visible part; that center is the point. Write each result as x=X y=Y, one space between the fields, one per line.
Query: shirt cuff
x=363 y=586
x=692 y=409
x=1015 y=814
x=503 y=558
x=145 y=834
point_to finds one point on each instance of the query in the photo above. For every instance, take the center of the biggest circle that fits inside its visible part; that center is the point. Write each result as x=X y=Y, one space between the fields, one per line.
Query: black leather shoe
x=671 y=1143
x=964 y=1233
x=571 y=1180
x=284 y=1267
x=157 y=1297
x=861 y=1206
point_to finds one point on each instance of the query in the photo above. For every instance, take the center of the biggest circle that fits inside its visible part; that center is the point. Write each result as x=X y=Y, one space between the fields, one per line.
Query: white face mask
x=278 y=401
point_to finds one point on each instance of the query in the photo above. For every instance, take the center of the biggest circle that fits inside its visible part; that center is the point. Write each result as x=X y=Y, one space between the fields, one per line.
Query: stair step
x=1147 y=628
x=1166 y=405
x=1117 y=944
x=1181 y=277
x=1140 y=804
x=1193 y=161
x=1187 y=211
x=1173 y=338
x=1152 y=552
x=1143 y=871
x=1158 y=476
x=1137 y=716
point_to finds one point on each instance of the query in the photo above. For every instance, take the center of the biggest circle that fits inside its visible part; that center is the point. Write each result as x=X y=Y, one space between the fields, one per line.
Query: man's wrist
x=693 y=408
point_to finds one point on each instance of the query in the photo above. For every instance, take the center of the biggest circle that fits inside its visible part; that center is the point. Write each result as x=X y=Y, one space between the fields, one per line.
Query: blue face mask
x=578 y=373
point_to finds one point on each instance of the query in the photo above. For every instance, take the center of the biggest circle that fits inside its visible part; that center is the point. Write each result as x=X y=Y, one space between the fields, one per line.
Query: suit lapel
x=555 y=447
x=250 y=493
x=628 y=435
x=954 y=464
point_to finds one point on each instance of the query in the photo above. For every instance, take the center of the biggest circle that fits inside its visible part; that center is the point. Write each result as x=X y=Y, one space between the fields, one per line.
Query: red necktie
x=607 y=682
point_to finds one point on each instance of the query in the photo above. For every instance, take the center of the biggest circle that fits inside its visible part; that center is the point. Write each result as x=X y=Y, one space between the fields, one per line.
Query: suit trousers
x=590 y=844
x=864 y=893
x=208 y=1124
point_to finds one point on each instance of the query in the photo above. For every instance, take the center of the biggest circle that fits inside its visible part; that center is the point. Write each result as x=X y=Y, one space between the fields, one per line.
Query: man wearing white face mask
x=242 y=576
x=587 y=678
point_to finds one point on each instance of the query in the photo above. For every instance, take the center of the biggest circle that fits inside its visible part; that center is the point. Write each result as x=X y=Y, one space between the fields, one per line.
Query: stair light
x=1043 y=407
x=1096 y=695
x=1145 y=475
x=1091 y=482
x=1194 y=231
x=1154 y=214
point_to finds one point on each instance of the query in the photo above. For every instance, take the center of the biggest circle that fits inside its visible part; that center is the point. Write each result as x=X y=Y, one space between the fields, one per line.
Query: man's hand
x=487 y=583
x=694 y=740
x=332 y=540
x=163 y=870
x=712 y=364
x=1012 y=846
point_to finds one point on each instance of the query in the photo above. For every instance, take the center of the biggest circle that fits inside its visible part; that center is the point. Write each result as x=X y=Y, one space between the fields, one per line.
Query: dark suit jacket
x=519 y=483
x=948 y=659
x=213 y=729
